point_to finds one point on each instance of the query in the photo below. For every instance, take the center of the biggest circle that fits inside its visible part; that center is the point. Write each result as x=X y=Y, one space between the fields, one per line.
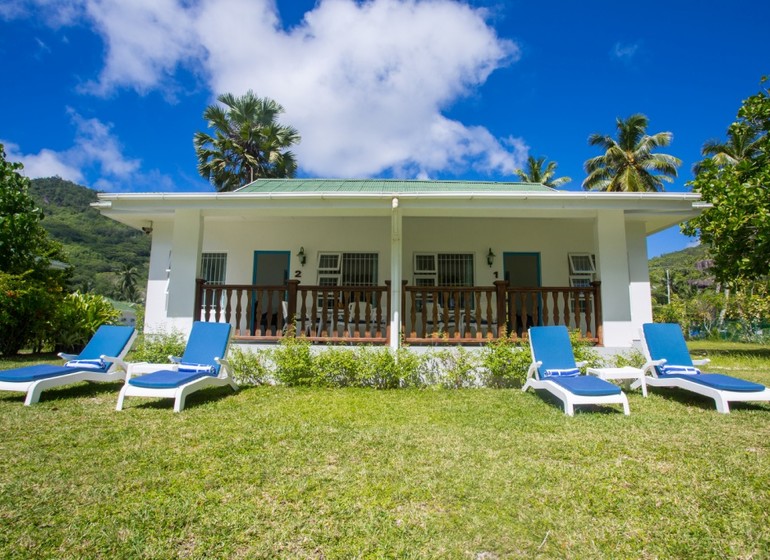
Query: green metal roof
x=384 y=186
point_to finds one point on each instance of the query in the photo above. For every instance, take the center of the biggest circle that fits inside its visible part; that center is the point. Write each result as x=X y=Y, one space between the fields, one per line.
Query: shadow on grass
x=198 y=398
x=689 y=398
x=82 y=390
x=550 y=399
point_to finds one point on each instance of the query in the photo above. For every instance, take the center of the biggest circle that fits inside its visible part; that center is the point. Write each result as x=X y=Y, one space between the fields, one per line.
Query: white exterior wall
x=624 y=278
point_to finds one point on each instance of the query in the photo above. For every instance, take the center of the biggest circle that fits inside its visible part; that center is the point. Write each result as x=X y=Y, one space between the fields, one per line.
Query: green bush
x=505 y=363
x=584 y=351
x=633 y=358
x=248 y=368
x=27 y=308
x=77 y=318
x=336 y=367
x=155 y=348
x=293 y=362
x=452 y=368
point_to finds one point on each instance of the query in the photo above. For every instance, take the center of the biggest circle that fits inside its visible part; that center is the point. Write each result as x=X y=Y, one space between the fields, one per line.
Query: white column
x=639 y=273
x=156 y=300
x=186 y=244
x=396 y=250
x=612 y=263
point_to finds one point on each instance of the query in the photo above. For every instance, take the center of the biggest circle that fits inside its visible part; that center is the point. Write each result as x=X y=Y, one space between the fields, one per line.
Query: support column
x=186 y=246
x=396 y=260
x=639 y=273
x=613 y=271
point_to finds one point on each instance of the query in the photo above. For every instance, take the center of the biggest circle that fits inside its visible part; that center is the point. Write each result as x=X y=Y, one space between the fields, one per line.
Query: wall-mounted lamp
x=302 y=256
x=490 y=258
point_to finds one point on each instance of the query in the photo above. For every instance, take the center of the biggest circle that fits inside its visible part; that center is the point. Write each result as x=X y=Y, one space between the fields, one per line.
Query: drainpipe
x=395 y=275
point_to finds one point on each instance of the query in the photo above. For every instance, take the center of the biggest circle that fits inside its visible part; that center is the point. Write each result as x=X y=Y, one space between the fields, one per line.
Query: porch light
x=490 y=258
x=301 y=256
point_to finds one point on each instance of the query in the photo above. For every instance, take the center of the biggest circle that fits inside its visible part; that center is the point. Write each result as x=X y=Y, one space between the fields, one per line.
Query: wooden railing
x=436 y=315
x=320 y=313
x=429 y=315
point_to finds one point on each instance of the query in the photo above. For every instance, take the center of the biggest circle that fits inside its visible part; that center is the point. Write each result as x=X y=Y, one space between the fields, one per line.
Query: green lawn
x=273 y=472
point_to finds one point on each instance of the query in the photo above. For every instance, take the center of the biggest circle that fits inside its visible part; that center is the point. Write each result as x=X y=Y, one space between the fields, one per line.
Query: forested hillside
x=101 y=251
x=684 y=276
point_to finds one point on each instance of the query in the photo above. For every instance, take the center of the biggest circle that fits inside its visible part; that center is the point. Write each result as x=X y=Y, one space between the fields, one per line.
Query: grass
x=273 y=472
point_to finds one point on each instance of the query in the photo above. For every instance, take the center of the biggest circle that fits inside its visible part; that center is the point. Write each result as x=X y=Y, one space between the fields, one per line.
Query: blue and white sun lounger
x=202 y=365
x=100 y=361
x=669 y=365
x=554 y=369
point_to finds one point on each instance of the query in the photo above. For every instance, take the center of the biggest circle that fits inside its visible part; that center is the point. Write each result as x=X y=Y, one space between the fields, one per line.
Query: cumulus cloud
x=367 y=84
x=95 y=148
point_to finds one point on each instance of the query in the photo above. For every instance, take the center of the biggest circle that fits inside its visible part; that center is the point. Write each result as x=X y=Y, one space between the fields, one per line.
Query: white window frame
x=332 y=269
x=578 y=262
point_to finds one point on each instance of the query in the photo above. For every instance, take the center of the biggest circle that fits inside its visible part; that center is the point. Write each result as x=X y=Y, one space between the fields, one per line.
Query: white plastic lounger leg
x=121 y=396
x=722 y=405
x=569 y=409
x=33 y=394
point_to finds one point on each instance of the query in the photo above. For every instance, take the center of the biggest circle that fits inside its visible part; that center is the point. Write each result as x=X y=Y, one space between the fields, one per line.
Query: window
x=213 y=267
x=581 y=263
x=347 y=269
x=443 y=269
x=579 y=281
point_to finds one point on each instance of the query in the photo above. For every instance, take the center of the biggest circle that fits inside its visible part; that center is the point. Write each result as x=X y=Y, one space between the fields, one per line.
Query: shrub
x=293 y=362
x=336 y=367
x=633 y=358
x=584 y=351
x=454 y=368
x=77 y=318
x=26 y=310
x=248 y=368
x=505 y=363
x=157 y=347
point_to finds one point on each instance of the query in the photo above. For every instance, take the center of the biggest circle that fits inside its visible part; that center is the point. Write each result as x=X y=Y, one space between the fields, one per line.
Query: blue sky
x=109 y=93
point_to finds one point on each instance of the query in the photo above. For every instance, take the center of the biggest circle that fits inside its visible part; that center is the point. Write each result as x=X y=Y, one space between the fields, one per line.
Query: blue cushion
x=586 y=386
x=33 y=373
x=720 y=382
x=108 y=340
x=552 y=346
x=207 y=341
x=165 y=379
x=665 y=341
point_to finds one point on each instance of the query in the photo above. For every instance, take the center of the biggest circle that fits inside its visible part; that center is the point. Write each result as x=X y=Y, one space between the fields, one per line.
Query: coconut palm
x=247 y=144
x=127 y=283
x=628 y=164
x=533 y=172
x=741 y=145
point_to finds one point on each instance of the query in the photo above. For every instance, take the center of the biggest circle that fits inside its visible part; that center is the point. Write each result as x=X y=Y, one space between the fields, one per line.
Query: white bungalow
x=387 y=261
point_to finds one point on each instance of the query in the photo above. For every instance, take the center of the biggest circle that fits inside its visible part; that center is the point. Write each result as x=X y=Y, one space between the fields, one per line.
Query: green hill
x=684 y=276
x=97 y=246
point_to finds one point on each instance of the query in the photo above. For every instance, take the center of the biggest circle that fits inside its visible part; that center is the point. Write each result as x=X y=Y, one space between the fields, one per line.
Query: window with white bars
x=448 y=269
x=348 y=269
x=213 y=267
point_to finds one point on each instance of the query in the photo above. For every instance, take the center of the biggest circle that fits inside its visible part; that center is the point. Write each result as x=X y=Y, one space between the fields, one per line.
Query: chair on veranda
x=202 y=365
x=100 y=361
x=669 y=365
x=554 y=369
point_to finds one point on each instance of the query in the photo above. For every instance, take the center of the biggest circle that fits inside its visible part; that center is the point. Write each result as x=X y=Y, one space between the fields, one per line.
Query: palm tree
x=127 y=289
x=741 y=145
x=628 y=164
x=247 y=144
x=534 y=173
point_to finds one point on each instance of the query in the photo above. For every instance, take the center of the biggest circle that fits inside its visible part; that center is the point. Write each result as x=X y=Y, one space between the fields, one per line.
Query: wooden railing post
x=501 y=289
x=598 y=312
x=199 y=282
x=291 y=302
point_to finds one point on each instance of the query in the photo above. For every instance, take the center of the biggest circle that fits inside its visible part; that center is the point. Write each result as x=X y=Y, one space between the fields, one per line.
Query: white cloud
x=365 y=83
x=95 y=150
x=624 y=53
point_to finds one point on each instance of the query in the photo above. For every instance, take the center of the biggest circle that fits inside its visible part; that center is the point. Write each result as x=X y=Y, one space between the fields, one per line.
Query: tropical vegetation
x=248 y=142
x=629 y=164
x=736 y=183
x=537 y=171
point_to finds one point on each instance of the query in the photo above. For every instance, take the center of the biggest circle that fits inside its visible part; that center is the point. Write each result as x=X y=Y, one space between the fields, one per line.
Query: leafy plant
x=26 y=310
x=77 y=318
x=157 y=347
x=452 y=368
x=505 y=363
x=293 y=362
x=336 y=367
x=248 y=368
